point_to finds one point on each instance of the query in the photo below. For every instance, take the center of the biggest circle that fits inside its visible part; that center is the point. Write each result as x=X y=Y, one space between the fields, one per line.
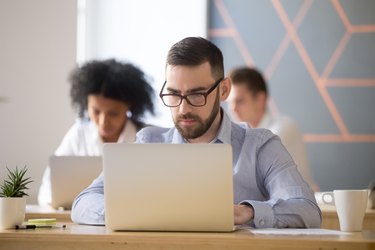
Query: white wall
x=142 y=31
x=38 y=50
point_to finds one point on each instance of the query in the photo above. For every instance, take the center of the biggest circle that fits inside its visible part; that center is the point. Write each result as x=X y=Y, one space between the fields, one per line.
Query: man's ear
x=261 y=97
x=225 y=87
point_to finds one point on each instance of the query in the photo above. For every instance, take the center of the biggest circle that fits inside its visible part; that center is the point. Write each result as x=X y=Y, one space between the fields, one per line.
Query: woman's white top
x=82 y=139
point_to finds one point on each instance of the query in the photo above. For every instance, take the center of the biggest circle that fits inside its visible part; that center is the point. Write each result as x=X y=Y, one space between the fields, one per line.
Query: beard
x=202 y=126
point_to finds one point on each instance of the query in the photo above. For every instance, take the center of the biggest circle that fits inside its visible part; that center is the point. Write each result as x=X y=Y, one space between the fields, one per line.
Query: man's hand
x=243 y=214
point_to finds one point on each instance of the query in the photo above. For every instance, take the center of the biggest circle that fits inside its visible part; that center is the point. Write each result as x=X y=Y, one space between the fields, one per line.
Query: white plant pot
x=12 y=211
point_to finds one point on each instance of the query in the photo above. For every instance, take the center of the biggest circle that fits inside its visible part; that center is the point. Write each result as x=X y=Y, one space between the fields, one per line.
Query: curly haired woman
x=111 y=99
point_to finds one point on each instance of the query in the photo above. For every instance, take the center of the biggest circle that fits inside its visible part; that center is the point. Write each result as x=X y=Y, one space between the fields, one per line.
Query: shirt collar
x=223 y=135
x=225 y=130
x=128 y=133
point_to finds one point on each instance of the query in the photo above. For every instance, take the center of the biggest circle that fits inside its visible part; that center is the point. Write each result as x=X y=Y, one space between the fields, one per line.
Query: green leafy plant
x=16 y=183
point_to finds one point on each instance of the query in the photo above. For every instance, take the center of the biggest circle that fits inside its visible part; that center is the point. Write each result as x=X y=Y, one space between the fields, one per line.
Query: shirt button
x=261 y=222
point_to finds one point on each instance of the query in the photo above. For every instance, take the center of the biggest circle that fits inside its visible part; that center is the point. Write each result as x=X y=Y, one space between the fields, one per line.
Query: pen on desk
x=19 y=227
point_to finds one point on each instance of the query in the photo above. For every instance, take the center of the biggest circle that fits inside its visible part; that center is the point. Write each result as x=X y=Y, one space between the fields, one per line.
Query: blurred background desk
x=37 y=212
x=97 y=237
x=331 y=220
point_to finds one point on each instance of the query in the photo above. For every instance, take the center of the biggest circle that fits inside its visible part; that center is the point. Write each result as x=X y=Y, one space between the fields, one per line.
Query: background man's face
x=244 y=104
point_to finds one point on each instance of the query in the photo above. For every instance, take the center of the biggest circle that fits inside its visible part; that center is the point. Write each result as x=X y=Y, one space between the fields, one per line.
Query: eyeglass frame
x=205 y=94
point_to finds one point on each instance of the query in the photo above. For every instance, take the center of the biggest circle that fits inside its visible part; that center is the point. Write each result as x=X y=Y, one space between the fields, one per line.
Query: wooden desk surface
x=96 y=237
x=330 y=219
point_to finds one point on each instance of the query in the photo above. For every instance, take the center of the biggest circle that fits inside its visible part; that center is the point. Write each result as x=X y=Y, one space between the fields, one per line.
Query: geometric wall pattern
x=319 y=60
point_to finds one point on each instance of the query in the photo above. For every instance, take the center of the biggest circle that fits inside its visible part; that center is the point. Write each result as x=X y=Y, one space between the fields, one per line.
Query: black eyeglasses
x=194 y=99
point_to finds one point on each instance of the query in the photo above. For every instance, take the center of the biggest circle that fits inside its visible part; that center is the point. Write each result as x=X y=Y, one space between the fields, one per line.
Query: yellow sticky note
x=42 y=221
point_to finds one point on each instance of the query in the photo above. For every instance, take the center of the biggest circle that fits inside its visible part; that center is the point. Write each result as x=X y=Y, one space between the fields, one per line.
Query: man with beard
x=268 y=189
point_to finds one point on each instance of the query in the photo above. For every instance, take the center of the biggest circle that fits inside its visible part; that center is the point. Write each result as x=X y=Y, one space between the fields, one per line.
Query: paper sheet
x=296 y=231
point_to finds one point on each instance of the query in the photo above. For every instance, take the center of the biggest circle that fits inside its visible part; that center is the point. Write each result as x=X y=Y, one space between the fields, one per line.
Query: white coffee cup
x=351 y=207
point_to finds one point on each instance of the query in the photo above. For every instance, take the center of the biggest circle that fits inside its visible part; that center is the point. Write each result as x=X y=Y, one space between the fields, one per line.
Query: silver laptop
x=168 y=187
x=70 y=175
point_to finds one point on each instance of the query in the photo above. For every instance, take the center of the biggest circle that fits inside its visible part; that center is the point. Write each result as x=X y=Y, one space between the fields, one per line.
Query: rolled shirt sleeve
x=288 y=199
x=280 y=215
x=88 y=206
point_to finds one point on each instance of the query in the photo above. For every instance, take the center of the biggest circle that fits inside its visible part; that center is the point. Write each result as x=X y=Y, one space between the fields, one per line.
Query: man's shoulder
x=155 y=130
x=242 y=132
x=259 y=134
x=155 y=134
x=242 y=127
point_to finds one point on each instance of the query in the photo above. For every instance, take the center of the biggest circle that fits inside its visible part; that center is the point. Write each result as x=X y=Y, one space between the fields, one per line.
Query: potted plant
x=12 y=198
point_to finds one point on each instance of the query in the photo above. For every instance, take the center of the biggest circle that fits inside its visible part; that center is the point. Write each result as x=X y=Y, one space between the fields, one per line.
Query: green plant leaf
x=16 y=184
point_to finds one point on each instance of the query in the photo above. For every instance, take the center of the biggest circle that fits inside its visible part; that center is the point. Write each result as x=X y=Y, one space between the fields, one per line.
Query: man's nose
x=184 y=107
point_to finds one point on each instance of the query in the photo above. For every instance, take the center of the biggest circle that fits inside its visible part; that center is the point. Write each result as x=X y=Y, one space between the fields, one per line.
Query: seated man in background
x=248 y=103
x=111 y=98
x=268 y=190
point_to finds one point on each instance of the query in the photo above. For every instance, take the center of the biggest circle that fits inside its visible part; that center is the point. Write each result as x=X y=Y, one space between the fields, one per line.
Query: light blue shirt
x=264 y=176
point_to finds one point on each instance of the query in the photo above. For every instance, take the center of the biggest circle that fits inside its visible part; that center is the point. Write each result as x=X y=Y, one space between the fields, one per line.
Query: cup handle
x=331 y=201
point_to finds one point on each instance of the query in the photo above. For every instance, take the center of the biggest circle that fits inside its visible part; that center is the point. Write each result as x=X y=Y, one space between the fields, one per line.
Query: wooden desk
x=331 y=220
x=36 y=212
x=96 y=237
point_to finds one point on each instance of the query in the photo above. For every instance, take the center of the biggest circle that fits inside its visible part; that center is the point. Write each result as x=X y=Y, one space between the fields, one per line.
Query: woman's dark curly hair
x=114 y=80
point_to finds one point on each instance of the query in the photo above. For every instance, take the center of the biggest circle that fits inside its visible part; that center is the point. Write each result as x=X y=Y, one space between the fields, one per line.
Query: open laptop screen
x=70 y=175
x=168 y=187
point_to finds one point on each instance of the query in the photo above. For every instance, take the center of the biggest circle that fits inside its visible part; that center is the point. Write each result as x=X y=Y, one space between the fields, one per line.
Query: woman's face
x=109 y=115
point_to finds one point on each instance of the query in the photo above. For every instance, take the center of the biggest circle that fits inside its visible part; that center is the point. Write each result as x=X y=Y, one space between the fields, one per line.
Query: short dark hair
x=251 y=77
x=193 y=51
x=114 y=80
